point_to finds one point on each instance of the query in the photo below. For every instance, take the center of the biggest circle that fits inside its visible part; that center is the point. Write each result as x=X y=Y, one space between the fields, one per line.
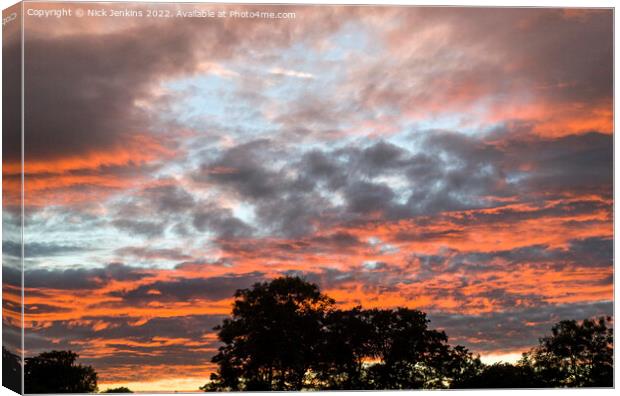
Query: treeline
x=286 y=335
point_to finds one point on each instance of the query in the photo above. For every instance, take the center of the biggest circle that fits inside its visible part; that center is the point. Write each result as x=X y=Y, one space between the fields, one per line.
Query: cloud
x=147 y=253
x=79 y=278
x=168 y=198
x=103 y=118
x=535 y=83
x=221 y=221
x=448 y=171
x=290 y=73
x=243 y=169
x=113 y=343
x=189 y=289
x=36 y=249
x=568 y=164
x=139 y=227
x=515 y=330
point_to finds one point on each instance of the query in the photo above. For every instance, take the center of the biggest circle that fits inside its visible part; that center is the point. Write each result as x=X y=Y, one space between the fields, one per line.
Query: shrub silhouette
x=120 y=389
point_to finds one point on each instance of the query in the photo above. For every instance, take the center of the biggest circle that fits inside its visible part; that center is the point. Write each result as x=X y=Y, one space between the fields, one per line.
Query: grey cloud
x=96 y=97
x=39 y=249
x=244 y=169
x=566 y=60
x=365 y=197
x=185 y=289
x=221 y=221
x=192 y=328
x=140 y=227
x=80 y=278
x=340 y=240
x=150 y=253
x=580 y=163
x=447 y=172
x=517 y=328
x=284 y=204
x=169 y=198
x=589 y=252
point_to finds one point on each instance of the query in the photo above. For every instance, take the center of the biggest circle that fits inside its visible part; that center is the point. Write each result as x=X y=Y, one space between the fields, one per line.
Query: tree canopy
x=576 y=354
x=270 y=341
x=287 y=335
x=58 y=372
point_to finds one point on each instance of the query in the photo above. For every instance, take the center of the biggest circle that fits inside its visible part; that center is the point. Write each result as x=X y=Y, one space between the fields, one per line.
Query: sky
x=452 y=160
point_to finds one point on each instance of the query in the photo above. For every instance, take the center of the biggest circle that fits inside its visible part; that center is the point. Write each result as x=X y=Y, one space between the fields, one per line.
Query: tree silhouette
x=11 y=370
x=499 y=375
x=575 y=355
x=271 y=339
x=286 y=335
x=120 y=389
x=57 y=372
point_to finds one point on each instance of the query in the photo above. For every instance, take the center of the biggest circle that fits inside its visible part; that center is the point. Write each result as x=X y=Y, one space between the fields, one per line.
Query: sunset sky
x=453 y=160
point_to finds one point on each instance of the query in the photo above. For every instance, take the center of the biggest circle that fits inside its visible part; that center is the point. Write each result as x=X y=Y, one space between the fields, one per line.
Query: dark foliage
x=577 y=354
x=499 y=375
x=57 y=372
x=286 y=335
x=271 y=340
x=409 y=355
x=11 y=371
x=120 y=389
x=345 y=343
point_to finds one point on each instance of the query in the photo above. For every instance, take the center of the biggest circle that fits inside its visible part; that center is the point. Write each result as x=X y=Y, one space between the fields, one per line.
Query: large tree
x=271 y=341
x=577 y=354
x=58 y=372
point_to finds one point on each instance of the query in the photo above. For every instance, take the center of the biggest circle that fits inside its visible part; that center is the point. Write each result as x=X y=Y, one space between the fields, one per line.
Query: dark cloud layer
x=517 y=329
x=77 y=337
x=35 y=249
x=73 y=279
x=447 y=171
x=184 y=289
